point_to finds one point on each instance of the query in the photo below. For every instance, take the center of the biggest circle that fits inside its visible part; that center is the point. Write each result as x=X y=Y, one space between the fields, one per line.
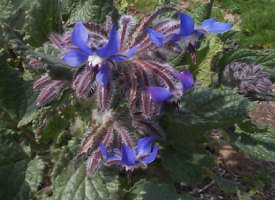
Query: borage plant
x=120 y=66
x=127 y=84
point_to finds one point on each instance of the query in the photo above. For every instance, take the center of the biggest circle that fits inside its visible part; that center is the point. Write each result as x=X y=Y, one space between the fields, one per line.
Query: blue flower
x=192 y=34
x=160 y=94
x=189 y=32
x=99 y=57
x=130 y=158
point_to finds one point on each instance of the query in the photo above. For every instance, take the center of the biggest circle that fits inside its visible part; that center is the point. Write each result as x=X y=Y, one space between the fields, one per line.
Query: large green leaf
x=212 y=108
x=154 y=190
x=75 y=184
x=19 y=178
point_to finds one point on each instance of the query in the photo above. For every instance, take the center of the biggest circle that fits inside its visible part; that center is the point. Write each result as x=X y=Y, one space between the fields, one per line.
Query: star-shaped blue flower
x=129 y=158
x=99 y=57
x=189 y=32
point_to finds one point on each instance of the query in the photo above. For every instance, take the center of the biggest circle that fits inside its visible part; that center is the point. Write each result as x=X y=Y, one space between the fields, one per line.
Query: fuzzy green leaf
x=92 y=10
x=75 y=184
x=203 y=68
x=212 y=108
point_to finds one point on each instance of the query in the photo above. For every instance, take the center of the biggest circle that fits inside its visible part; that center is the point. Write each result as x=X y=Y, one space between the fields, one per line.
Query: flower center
x=95 y=60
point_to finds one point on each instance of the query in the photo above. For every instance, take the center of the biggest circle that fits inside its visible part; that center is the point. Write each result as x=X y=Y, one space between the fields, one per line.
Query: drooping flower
x=132 y=157
x=160 y=94
x=95 y=57
x=186 y=79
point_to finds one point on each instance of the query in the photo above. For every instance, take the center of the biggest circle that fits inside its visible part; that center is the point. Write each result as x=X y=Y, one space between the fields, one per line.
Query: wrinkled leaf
x=75 y=184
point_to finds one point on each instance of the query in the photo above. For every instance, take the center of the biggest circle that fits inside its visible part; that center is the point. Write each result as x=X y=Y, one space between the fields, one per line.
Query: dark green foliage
x=20 y=176
x=34 y=20
x=16 y=94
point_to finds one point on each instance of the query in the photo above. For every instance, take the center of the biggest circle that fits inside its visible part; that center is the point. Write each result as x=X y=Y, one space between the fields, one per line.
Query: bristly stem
x=211 y=3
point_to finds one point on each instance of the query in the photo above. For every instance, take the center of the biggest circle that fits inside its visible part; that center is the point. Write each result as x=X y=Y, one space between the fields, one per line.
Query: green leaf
x=42 y=18
x=13 y=164
x=203 y=11
x=154 y=190
x=212 y=108
x=16 y=94
x=205 y=58
x=34 y=173
x=92 y=10
x=75 y=184
x=259 y=143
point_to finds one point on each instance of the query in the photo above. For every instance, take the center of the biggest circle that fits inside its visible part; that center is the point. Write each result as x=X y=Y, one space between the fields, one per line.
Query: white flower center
x=95 y=60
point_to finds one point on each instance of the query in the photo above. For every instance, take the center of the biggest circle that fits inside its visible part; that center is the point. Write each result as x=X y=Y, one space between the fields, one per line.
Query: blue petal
x=155 y=37
x=211 y=25
x=152 y=156
x=186 y=79
x=128 y=155
x=175 y=38
x=75 y=57
x=80 y=37
x=104 y=151
x=159 y=94
x=107 y=155
x=126 y=56
x=102 y=77
x=186 y=24
x=113 y=45
x=131 y=51
x=144 y=145
x=208 y=22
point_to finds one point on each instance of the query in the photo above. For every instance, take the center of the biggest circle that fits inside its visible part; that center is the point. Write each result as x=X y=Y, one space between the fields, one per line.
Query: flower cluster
x=249 y=78
x=125 y=64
